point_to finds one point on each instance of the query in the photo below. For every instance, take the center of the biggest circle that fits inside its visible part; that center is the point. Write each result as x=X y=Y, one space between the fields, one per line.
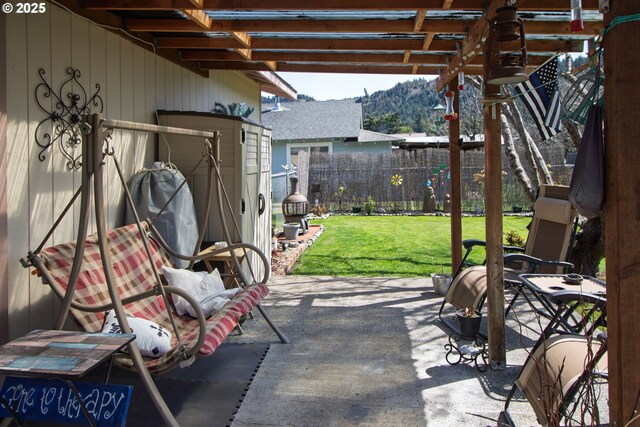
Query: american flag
x=541 y=96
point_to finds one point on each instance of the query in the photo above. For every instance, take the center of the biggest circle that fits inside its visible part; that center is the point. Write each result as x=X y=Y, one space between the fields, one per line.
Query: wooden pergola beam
x=428 y=43
x=143 y=4
x=329 y=68
x=199 y=17
x=448 y=26
x=374 y=58
x=339 y=26
x=198 y=43
x=471 y=46
x=472 y=5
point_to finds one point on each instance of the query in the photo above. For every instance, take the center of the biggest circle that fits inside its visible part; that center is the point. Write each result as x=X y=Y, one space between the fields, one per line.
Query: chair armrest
x=513 y=249
x=567 y=297
x=535 y=262
x=470 y=243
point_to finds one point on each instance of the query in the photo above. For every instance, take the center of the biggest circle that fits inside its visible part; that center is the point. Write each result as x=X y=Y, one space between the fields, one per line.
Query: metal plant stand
x=468 y=349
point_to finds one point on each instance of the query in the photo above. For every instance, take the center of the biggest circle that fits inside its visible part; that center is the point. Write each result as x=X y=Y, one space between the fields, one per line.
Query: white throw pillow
x=152 y=339
x=207 y=289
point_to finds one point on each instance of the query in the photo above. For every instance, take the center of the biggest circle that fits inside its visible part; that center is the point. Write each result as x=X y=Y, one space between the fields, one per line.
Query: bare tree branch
x=573 y=130
x=514 y=159
x=539 y=164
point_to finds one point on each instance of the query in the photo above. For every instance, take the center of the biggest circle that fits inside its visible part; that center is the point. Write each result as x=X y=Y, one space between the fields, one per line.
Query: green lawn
x=391 y=245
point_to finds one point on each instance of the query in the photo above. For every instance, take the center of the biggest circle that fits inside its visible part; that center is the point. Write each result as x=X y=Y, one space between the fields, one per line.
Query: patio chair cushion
x=469 y=287
x=554 y=210
x=549 y=375
x=134 y=274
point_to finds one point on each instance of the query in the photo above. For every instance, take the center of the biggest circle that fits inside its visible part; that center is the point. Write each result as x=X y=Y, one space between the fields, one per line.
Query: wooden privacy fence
x=399 y=181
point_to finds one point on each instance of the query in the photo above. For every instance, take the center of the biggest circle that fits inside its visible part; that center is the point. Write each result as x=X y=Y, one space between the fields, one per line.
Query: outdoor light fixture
x=461 y=80
x=576 y=16
x=449 y=113
x=507 y=48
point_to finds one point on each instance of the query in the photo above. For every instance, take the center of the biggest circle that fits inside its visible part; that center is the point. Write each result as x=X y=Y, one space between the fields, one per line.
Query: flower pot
x=441 y=283
x=356 y=209
x=291 y=231
x=469 y=325
x=516 y=209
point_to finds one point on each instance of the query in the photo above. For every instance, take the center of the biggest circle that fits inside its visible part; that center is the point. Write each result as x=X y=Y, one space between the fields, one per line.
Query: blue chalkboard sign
x=52 y=400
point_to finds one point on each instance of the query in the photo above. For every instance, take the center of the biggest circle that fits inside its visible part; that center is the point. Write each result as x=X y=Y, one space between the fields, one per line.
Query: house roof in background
x=370 y=136
x=315 y=120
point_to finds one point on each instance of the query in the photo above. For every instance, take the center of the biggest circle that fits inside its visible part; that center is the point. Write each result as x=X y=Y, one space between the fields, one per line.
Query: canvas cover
x=586 y=191
x=178 y=226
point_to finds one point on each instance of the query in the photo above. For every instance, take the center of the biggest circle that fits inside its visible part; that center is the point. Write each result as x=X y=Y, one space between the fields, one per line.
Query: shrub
x=513 y=238
x=319 y=210
x=369 y=205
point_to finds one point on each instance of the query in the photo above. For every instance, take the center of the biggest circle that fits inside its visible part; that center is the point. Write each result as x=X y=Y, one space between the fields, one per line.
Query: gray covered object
x=150 y=190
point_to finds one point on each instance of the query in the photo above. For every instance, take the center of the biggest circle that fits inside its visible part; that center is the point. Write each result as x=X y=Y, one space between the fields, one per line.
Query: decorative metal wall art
x=68 y=104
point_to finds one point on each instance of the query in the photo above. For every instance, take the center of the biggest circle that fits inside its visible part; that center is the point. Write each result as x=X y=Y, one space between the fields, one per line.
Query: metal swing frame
x=96 y=130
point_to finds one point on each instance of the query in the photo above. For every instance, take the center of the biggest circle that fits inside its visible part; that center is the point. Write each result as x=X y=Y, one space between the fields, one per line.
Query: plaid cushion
x=134 y=274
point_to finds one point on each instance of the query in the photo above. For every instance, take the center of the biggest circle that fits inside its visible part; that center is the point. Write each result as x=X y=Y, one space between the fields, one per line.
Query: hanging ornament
x=396 y=180
x=449 y=113
x=428 y=182
x=449 y=175
x=461 y=80
x=576 y=16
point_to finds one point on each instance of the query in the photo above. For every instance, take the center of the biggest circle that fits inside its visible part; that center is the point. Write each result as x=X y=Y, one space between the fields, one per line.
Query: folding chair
x=548 y=245
x=568 y=355
x=551 y=231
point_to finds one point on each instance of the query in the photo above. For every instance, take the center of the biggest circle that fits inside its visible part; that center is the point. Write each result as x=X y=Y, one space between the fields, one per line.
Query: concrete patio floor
x=370 y=352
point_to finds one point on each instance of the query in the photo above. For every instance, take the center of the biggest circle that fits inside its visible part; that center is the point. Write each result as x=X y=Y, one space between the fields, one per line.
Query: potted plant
x=356 y=209
x=469 y=322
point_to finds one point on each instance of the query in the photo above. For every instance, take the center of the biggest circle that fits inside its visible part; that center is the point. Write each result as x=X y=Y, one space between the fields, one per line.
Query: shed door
x=250 y=188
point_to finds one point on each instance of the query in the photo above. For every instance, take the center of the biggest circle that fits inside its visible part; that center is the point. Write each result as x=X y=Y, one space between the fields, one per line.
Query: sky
x=326 y=86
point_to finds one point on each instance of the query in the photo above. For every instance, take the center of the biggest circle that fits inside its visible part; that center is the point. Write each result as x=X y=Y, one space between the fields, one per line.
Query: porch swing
x=111 y=270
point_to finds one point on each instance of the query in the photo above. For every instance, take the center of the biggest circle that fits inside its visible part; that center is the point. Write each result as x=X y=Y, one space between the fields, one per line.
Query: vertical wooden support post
x=493 y=209
x=622 y=212
x=454 y=170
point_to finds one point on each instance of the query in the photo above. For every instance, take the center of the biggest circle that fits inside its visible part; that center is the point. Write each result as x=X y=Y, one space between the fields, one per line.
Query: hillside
x=411 y=104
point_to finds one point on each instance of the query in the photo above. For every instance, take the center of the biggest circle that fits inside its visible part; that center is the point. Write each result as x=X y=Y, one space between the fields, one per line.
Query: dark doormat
x=208 y=393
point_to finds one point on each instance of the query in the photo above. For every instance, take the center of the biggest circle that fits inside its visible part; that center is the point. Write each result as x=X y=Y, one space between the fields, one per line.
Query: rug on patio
x=209 y=393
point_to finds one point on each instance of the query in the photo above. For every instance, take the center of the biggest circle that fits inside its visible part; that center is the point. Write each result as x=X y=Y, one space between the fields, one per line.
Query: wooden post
x=455 y=182
x=622 y=218
x=493 y=209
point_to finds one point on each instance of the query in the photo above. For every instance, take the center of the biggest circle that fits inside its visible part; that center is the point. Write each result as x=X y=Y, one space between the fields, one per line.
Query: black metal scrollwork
x=68 y=105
